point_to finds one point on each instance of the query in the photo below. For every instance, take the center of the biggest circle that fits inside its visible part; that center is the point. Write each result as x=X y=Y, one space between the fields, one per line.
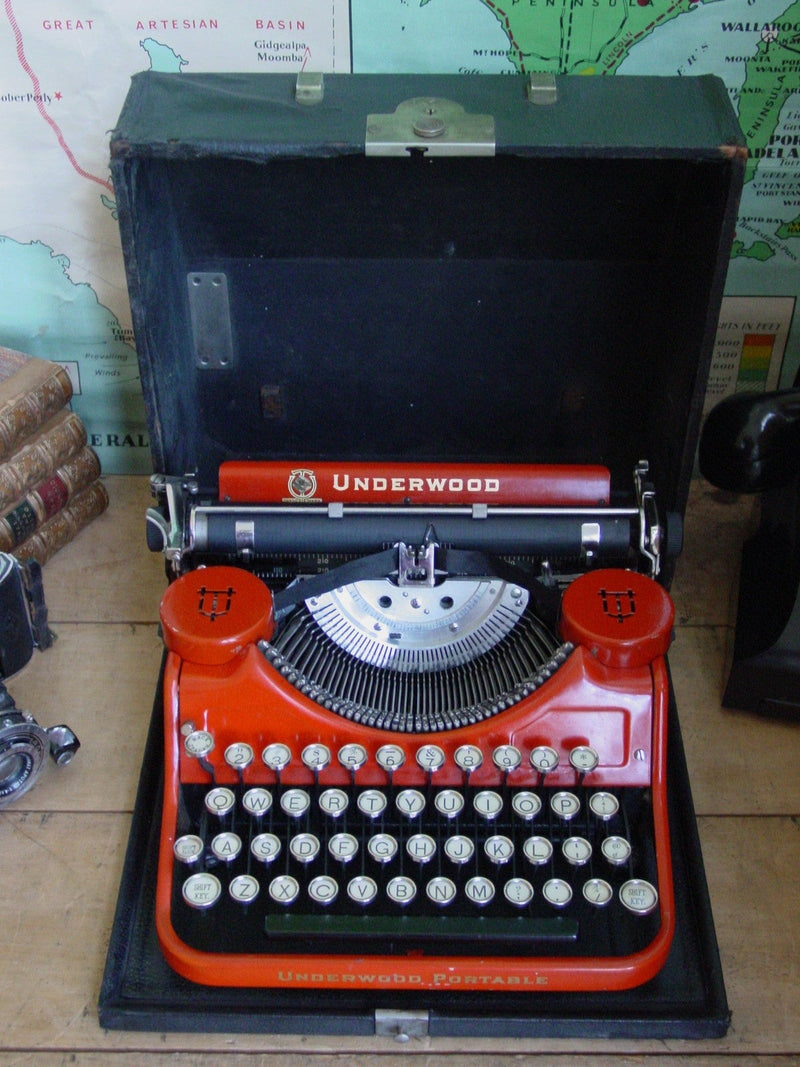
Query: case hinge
x=401 y=1025
x=309 y=88
x=541 y=88
x=432 y=125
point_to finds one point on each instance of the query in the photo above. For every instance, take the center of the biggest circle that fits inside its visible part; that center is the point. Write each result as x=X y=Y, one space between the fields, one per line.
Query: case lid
x=426 y=268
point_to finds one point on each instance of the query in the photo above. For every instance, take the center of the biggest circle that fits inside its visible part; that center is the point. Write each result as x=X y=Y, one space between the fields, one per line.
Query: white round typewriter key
x=295 y=803
x=421 y=848
x=410 y=802
x=362 y=889
x=479 y=890
x=518 y=891
x=565 y=805
x=372 y=803
x=382 y=847
x=352 y=756
x=226 y=846
x=498 y=849
x=265 y=847
x=390 y=757
x=276 y=756
x=638 y=896
x=323 y=889
x=468 y=757
x=537 y=850
x=583 y=758
x=401 y=889
x=557 y=892
x=449 y=802
x=616 y=850
x=304 y=847
x=284 y=889
x=257 y=801
x=597 y=891
x=201 y=890
x=441 y=891
x=343 y=847
x=316 y=757
x=239 y=755
x=459 y=849
x=333 y=802
x=198 y=743
x=188 y=848
x=604 y=805
x=487 y=804
x=526 y=805
x=544 y=759
x=576 y=850
x=506 y=757
x=430 y=758
x=220 y=801
x=244 y=888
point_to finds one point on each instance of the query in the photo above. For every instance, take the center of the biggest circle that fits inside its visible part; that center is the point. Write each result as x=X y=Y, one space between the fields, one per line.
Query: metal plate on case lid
x=211 y=319
x=432 y=125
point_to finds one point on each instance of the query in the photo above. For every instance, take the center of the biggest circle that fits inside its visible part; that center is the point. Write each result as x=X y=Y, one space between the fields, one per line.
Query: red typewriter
x=423 y=362
x=441 y=763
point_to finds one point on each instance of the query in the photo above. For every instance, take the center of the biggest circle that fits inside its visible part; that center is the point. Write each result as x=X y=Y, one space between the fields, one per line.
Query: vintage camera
x=24 y=744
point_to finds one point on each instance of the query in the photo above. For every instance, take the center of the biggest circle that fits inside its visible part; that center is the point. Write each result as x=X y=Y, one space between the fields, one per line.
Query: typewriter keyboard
x=517 y=870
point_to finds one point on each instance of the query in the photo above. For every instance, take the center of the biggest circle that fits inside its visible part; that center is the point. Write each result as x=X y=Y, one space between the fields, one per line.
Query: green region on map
x=580 y=36
x=772 y=75
x=758 y=250
x=789 y=229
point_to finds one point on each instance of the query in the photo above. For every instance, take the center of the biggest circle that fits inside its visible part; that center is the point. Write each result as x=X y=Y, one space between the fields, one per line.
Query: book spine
x=63 y=436
x=11 y=361
x=85 y=506
x=22 y=414
x=48 y=498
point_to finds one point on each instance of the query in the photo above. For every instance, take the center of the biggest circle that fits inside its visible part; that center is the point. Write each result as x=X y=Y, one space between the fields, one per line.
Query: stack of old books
x=49 y=477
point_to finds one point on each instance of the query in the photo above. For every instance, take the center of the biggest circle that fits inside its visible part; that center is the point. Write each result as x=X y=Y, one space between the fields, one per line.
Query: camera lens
x=23 y=747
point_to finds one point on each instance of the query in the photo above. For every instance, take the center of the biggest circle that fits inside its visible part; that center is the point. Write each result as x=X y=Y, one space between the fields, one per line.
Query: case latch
x=432 y=125
x=401 y=1025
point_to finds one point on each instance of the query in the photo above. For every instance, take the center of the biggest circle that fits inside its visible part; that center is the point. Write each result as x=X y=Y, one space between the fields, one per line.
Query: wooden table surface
x=62 y=844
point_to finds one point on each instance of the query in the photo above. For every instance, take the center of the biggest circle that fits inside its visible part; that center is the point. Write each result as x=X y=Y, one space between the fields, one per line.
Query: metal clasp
x=432 y=125
x=401 y=1025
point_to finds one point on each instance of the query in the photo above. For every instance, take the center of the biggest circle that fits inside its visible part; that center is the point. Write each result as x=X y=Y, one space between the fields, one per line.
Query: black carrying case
x=438 y=268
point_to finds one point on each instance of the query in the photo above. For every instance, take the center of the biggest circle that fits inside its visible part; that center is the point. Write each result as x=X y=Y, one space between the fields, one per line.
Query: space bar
x=557 y=928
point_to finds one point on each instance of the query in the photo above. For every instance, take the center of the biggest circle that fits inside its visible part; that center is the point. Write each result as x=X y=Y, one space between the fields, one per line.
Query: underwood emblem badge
x=214 y=603
x=302 y=483
x=619 y=605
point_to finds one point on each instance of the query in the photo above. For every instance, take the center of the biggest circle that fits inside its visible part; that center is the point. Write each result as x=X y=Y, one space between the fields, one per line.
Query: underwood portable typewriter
x=416 y=353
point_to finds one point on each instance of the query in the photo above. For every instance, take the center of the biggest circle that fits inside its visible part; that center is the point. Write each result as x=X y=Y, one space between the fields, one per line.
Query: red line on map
x=507 y=23
x=37 y=91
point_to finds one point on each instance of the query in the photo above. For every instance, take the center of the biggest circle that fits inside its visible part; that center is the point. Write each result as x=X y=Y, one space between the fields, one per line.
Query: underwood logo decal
x=214 y=603
x=302 y=483
x=618 y=605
